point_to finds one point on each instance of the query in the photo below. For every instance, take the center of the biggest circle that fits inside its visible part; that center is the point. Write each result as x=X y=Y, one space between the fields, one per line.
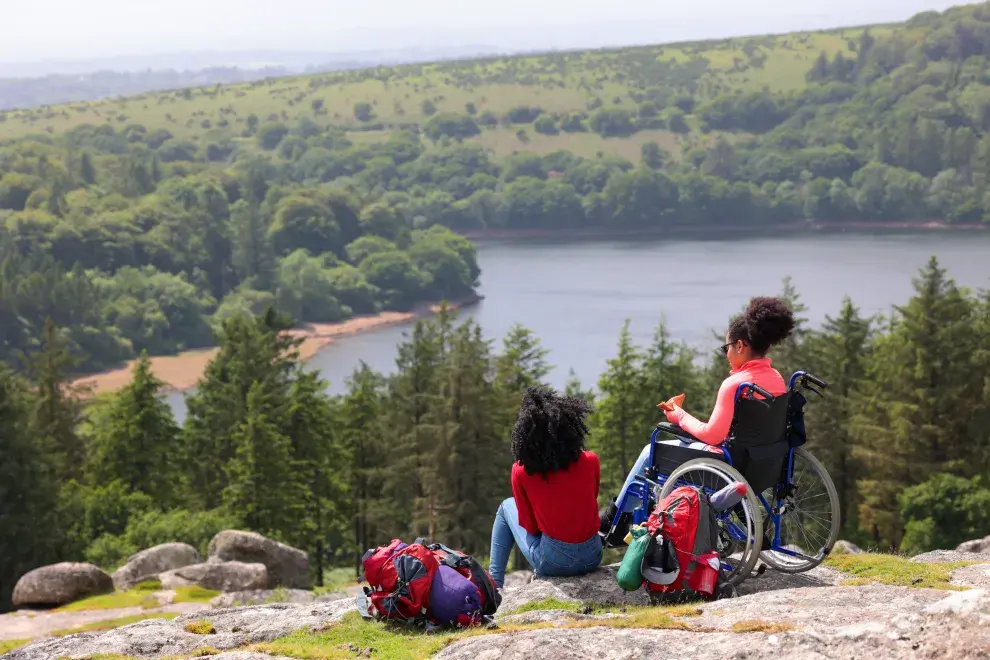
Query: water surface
x=575 y=296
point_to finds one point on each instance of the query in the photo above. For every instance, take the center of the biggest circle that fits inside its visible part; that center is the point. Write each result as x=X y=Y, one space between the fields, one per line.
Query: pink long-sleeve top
x=759 y=372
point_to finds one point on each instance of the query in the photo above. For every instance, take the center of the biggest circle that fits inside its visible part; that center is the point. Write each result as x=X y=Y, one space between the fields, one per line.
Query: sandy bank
x=183 y=371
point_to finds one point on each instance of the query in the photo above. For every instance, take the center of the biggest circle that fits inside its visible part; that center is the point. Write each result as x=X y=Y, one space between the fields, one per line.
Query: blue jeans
x=548 y=556
x=634 y=502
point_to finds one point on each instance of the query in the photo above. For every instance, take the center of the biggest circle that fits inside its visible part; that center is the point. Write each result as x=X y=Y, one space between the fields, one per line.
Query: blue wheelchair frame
x=642 y=486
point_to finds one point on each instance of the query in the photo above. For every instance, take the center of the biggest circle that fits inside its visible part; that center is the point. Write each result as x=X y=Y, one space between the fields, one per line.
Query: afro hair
x=550 y=431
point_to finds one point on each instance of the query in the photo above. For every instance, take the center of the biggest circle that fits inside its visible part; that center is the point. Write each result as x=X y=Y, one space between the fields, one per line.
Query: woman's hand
x=671 y=403
x=674 y=414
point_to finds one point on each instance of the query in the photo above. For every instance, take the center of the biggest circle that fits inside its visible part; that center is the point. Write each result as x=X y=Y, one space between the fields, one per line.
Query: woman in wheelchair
x=765 y=323
x=553 y=514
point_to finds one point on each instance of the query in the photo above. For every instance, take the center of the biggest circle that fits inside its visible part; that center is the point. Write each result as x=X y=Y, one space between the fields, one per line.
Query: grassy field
x=556 y=82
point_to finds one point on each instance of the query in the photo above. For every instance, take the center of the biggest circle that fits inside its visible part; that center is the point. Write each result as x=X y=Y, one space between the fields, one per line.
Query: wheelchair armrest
x=675 y=430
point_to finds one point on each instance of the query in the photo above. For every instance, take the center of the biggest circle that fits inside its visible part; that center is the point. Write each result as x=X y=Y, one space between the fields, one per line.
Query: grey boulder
x=228 y=576
x=148 y=564
x=59 y=584
x=981 y=546
x=287 y=566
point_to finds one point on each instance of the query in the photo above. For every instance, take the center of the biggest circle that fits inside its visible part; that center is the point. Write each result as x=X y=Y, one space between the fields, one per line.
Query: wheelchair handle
x=767 y=397
x=804 y=377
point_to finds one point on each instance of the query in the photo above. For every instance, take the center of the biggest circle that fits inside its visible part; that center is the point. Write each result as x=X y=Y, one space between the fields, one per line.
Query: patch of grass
x=549 y=604
x=194 y=595
x=758 y=625
x=201 y=627
x=652 y=618
x=8 y=645
x=352 y=636
x=113 y=601
x=204 y=652
x=685 y=610
x=139 y=596
x=110 y=624
x=897 y=571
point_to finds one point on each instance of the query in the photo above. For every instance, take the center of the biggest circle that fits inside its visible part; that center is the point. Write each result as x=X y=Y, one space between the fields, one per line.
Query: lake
x=575 y=296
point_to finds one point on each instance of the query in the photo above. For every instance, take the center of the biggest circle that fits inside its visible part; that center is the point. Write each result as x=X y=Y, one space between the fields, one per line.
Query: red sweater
x=564 y=505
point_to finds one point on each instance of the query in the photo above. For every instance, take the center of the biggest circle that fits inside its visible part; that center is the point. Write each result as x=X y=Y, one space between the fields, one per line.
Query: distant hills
x=32 y=84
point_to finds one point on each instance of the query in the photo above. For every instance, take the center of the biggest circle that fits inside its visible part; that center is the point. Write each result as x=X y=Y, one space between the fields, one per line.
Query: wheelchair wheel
x=810 y=522
x=739 y=529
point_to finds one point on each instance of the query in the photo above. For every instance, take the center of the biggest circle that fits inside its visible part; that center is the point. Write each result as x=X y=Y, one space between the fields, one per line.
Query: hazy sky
x=64 y=29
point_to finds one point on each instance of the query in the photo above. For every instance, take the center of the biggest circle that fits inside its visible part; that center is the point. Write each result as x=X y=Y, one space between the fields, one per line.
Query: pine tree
x=28 y=491
x=317 y=463
x=668 y=370
x=367 y=457
x=819 y=70
x=412 y=393
x=262 y=489
x=253 y=257
x=136 y=438
x=839 y=353
x=919 y=393
x=436 y=434
x=252 y=351
x=87 y=171
x=788 y=356
x=475 y=465
x=573 y=387
x=618 y=436
x=57 y=410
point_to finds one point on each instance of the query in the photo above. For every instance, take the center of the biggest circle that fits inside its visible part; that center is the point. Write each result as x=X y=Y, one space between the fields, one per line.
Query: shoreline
x=683 y=231
x=184 y=370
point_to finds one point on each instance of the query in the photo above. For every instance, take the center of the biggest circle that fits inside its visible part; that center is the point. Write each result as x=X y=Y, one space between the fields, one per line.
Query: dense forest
x=904 y=431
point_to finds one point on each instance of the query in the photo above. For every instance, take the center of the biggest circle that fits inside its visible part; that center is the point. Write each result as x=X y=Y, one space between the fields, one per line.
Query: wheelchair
x=789 y=517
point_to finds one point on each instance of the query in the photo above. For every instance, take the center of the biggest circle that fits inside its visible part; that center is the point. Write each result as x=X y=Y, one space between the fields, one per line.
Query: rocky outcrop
x=833 y=622
x=264 y=596
x=287 y=566
x=799 y=616
x=228 y=576
x=981 y=546
x=159 y=638
x=846 y=548
x=597 y=587
x=945 y=556
x=518 y=579
x=59 y=584
x=150 y=563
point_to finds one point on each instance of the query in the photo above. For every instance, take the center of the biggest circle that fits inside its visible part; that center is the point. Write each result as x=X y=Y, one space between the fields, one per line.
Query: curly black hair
x=765 y=323
x=550 y=431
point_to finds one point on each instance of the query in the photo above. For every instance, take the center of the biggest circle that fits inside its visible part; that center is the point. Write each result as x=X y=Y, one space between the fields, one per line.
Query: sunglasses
x=725 y=347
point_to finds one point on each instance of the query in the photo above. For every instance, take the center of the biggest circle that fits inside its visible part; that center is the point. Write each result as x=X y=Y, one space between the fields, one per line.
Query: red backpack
x=407 y=584
x=400 y=576
x=682 y=554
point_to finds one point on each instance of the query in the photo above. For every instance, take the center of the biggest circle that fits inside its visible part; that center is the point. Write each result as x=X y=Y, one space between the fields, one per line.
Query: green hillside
x=648 y=81
x=140 y=224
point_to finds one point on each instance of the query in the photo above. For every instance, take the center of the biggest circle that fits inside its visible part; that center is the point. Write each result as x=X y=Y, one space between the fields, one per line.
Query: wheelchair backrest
x=756 y=423
x=758 y=440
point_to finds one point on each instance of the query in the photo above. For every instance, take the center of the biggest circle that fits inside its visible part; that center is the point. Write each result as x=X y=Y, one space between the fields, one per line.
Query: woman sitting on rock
x=553 y=514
